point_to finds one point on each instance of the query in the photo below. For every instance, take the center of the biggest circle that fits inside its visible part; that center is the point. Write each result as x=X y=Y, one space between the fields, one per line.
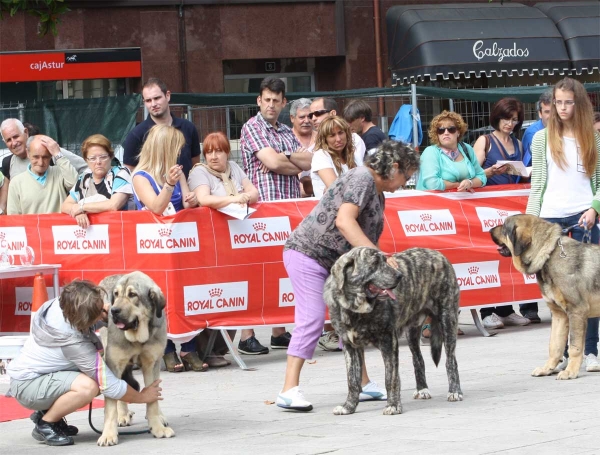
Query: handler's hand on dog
x=152 y=392
x=392 y=262
x=588 y=218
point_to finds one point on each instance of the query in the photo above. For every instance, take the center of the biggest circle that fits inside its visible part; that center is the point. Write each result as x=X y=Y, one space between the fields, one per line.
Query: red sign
x=69 y=65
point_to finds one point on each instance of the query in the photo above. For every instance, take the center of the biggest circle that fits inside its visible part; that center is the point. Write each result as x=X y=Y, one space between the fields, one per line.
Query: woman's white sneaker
x=293 y=399
x=371 y=391
x=591 y=363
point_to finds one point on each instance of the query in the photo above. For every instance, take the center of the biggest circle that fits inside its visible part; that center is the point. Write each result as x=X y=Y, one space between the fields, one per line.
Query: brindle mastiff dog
x=137 y=332
x=372 y=303
x=568 y=273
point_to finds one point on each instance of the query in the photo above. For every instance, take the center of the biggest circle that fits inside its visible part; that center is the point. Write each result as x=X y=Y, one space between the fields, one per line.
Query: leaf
x=269 y=402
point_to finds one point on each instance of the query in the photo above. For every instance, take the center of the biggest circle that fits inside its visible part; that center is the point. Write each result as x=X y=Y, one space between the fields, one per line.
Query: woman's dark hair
x=390 y=152
x=504 y=109
x=81 y=303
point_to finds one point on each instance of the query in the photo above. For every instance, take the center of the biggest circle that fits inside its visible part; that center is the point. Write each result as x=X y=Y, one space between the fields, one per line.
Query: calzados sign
x=496 y=51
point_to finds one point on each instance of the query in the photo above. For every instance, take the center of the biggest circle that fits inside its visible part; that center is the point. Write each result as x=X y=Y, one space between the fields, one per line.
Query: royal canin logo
x=2 y=236
x=474 y=270
x=80 y=233
x=502 y=213
x=425 y=217
x=164 y=232
x=259 y=226
x=215 y=292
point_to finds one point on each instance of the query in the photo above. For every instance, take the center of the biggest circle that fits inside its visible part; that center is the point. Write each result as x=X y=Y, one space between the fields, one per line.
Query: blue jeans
x=189 y=346
x=591 y=336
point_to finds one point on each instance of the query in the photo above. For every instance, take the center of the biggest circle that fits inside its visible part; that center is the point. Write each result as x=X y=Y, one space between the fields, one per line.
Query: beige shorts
x=40 y=393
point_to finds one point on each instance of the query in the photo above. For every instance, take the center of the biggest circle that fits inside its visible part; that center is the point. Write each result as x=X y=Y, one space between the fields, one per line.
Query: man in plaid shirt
x=272 y=158
x=272 y=155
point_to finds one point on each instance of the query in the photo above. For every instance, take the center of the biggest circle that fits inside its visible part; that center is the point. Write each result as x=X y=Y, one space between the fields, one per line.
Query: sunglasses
x=318 y=113
x=450 y=129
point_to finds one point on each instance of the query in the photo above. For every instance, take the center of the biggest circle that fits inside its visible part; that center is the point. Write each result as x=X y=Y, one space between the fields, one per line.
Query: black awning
x=579 y=25
x=431 y=41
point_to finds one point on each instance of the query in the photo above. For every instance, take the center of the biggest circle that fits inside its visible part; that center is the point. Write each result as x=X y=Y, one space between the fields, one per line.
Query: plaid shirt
x=258 y=134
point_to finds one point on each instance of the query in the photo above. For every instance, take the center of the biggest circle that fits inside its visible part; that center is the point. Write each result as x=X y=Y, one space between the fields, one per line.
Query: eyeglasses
x=100 y=158
x=567 y=103
x=318 y=113
x=450 y=129
x=510 y=120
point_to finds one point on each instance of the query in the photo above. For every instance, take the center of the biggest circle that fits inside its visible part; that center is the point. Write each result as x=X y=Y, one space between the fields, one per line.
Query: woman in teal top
x=448 y=164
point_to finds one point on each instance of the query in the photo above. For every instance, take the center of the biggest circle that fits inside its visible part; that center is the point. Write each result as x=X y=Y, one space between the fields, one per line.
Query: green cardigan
x=539 y=175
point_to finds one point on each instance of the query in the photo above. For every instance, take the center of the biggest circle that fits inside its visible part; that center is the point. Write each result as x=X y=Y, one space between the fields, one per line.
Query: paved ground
x=505 y=410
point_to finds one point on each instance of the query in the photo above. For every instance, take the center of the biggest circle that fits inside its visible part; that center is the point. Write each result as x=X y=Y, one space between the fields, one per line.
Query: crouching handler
x=60 y=368
x=349 y=214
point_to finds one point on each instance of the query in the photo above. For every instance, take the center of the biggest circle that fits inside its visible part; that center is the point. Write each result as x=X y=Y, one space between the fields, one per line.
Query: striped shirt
x=539 y=175
x=258 y=134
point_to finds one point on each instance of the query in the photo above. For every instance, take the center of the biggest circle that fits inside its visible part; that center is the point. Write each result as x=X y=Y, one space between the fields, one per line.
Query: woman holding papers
x=159 y=185
x=565 y=182
x=506 y=118
x=220 y=184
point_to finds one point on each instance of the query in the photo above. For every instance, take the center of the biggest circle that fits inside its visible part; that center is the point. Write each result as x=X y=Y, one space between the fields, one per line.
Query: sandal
x=172 y=362
x=217 y=361
x=192 y=362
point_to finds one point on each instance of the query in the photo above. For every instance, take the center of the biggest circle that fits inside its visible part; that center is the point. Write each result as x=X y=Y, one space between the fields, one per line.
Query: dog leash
x=120 y=433
x=587 y=237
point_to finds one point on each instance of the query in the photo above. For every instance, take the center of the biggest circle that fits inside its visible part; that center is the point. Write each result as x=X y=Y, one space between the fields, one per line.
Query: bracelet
x=170 y=184
x=471 y=182
x=168 y=188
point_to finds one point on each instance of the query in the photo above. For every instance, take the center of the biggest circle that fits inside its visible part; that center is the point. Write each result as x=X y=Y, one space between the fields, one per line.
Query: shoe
x=51 y=434
x=562 y=365
x=252 y=347
x=69 y=430
x=282 y=341
x=591 y=363
x=514 y=319
x=532 y=316
x=217 y=361
x=293 y=399
x=372 y=392
x=493 y=322
x=192 y=362
x=330 y=341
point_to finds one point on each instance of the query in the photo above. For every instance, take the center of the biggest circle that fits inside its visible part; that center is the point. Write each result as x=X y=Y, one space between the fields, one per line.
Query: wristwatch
x=58 y=156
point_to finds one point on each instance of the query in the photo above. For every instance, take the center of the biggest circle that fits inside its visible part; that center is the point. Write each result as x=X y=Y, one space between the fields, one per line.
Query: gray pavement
x=228 y=410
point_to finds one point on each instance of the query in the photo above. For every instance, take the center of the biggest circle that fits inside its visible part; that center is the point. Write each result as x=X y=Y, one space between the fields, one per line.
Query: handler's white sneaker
x=515 y=319
x=293 y=399
x=371 y=391
x=591 y=363
x=493 y=322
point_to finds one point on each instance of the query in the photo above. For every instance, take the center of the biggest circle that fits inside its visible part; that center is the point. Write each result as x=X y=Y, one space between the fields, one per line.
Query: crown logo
x=473 y=270
x=79 y=233
x=2 y=235
x=502 y=213
x=259 y=226
x=164 y=232
x=216 y=292
x=425 y=217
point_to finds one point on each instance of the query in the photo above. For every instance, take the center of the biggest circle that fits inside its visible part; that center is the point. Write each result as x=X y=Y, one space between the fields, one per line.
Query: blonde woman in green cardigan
x=565 y=181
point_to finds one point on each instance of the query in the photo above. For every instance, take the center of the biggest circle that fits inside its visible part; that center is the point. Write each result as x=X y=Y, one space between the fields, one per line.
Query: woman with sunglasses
x=102 y=187
x=448 y=163
x=506 y=117
x=565 y=182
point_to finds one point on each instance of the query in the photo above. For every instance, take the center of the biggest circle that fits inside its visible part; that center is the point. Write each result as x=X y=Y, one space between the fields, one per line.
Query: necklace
x=452 y=154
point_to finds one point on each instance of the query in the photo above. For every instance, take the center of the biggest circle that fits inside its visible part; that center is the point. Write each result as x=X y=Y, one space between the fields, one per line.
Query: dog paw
x=108 y=439
x=541 y=371
x=392 y=410
x=422 y=394
x=162 y=432
x=125 y=420
x=455 y=396
x=342 y=411
x=163 y=420
x=566 y=374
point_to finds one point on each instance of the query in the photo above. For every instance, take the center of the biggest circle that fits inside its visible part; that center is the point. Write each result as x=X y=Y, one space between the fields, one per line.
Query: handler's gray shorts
x=40 y=393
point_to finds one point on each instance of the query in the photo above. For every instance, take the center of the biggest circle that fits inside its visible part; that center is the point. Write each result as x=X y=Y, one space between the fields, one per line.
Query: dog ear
x=158 y=300
x=519 y=239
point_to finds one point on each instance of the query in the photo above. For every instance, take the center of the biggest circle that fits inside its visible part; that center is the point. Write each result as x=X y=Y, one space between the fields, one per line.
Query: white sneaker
x=591 y=363
x=562 y=365
x=330 y=341
x=372 y=392
x=493 y=322
x=293 y=399
x=515 y=319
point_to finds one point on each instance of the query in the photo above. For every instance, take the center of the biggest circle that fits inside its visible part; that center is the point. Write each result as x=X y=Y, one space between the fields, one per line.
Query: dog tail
x=436 y=342
x=129 y=379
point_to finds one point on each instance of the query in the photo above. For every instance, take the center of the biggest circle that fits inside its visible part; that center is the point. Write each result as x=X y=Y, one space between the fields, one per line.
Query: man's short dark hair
x=357 y=109
x=545 y=98
x=156 y=81
x=274 y=85
x=328 y=103
x=32 y=130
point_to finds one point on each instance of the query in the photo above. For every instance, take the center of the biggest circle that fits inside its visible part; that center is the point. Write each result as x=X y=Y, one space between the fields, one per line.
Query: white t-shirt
x=359 y=149
x=200 y=176
x=322 y=160
x=568 y=192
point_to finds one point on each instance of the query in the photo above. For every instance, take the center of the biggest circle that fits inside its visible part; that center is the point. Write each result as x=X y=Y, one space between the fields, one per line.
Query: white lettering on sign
x=167 y=238
x=13 y=239
x=427 y=222
x=530 y=278
x=481 y=52
x=259 y=232
x=215 y=298
x=73 y=239
x=490 y=217
x=477 y=275
x=286 y=293
x=41 y=66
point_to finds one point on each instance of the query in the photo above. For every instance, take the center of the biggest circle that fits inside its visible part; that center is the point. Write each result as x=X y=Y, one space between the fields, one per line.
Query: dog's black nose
x=115 y=311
